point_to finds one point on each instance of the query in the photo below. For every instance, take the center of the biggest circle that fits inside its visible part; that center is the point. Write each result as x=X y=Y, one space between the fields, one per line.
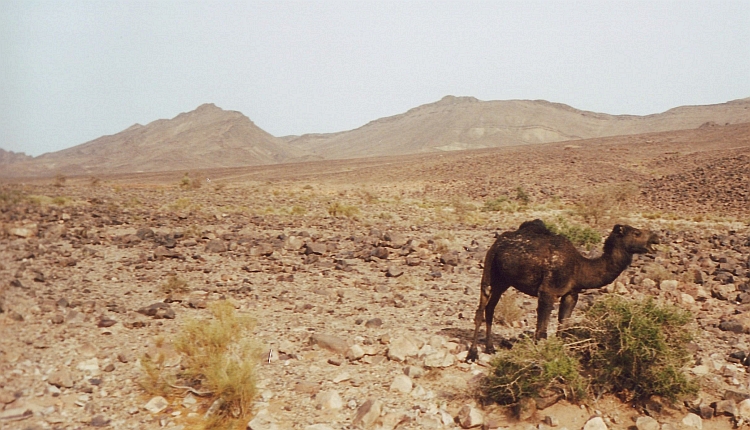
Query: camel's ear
x=619 y=230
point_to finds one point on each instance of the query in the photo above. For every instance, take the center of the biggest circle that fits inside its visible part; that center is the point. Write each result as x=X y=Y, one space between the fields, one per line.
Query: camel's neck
x=598 y=272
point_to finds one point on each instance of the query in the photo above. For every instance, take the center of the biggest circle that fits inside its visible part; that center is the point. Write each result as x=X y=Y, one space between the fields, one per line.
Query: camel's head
x=634 y=240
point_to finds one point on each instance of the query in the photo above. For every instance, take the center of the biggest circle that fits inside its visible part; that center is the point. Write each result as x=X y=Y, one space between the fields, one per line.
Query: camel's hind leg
x=489 y=315
x=567 y=304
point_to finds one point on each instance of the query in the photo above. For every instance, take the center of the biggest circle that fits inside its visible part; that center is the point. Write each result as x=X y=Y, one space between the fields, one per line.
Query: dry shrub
x=337 y=209
x=218 y=361
x=174 y=285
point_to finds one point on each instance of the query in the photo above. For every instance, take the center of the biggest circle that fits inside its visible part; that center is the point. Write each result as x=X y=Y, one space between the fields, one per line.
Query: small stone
x=329 y=342
x=330 y=400
x=394 y=272
x=596 y=423
x=693 y=421
x=401 y=384
x=441 y=358
x=743 y=409
x=400 y=348
x=726 y=407
x=61 y=379
x=470 y=417
x=318 y=427
x=105 y=321
x=109 y=368
x=355 y=352
x=6 y=397
x=216 y=245
x=413 y=372
x=646 y=423
x=91 y=366
x=374 y=323
x=158 y=310
x=262 y=421
x=156 y=404
x=307 y=387
x=99 y=421
x=368 y=413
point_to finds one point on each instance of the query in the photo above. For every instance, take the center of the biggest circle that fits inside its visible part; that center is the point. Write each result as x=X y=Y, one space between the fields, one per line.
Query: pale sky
x=72 y=70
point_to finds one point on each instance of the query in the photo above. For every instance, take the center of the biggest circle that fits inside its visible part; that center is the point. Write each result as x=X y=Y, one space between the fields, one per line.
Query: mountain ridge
x=210 y=137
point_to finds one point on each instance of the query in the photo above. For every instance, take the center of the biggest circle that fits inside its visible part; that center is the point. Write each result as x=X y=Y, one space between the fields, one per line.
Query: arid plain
x=363 y=277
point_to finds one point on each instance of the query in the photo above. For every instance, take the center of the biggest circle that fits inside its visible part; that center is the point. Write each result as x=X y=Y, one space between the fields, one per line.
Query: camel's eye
x=637 y=232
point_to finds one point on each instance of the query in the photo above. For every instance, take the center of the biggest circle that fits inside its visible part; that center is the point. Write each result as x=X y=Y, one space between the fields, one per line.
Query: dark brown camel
x=540 y=263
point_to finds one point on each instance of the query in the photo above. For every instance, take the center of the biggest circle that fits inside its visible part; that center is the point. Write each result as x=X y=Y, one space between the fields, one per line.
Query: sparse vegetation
x=337 y=209
x=218 y=361
x=534 y=369
x=501 y=204
x=579 y=235
x=522 y=196
x=188 y=183
x=635 y=349
x=174 y=285
x=638 y=348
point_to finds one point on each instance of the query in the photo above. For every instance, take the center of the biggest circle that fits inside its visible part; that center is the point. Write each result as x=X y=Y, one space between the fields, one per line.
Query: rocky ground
x=364 y=292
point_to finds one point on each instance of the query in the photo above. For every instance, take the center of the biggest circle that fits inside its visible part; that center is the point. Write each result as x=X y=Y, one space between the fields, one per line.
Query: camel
x=542 y=264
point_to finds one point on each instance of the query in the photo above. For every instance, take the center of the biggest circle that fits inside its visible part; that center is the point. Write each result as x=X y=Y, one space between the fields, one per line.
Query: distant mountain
x=8 y=157
x=456 y=123
x=208 y=137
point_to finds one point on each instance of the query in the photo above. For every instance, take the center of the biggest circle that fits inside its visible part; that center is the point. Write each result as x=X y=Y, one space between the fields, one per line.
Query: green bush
x=580 y=236
x=638 y=347
x=533 y=369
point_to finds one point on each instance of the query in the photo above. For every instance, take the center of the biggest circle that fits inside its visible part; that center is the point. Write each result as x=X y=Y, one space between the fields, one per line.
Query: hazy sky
x=72 y=71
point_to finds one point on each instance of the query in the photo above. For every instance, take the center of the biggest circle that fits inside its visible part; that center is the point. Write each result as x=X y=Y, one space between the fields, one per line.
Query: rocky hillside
x=456 y=123
x=8 y=157
x=208 y=137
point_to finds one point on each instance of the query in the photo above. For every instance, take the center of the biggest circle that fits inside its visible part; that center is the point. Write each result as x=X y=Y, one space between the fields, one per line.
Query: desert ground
x=363 y=279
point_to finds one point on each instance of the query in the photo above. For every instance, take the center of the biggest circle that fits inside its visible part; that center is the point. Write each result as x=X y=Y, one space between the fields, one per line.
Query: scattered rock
x=329 y=342
x=158 y=310
x=330 y=400
x=401 y=384
x=61 y=379
x=368 y=413
x=402 y=347
x=156 y=404
x=596 y=423
x=647 y=423
x=470 y=417
x=692 y=420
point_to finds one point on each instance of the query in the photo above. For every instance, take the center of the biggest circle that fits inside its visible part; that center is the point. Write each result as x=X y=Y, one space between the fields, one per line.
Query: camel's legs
x=484 y=297
x=489 y=314
x=543 y=312
x=567 y=304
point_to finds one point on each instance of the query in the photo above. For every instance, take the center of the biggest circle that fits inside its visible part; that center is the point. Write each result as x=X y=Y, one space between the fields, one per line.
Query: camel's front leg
x=543 y=312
